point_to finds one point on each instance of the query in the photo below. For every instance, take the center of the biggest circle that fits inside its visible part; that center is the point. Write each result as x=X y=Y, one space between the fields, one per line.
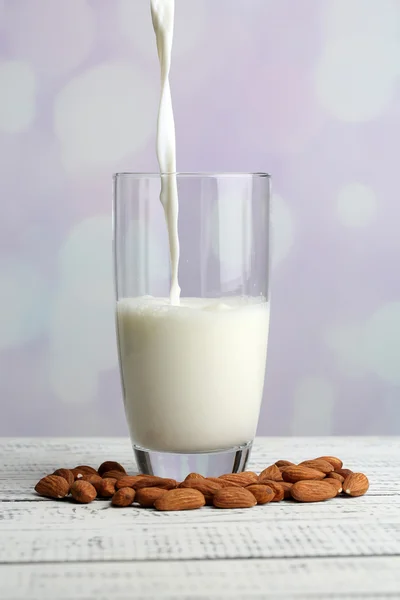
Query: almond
x=262 y=493
x=318 y=464
x=113 y=474
x=343 y=472
x=110 y=465
x=273 y=473
x=180 y=499
x=334 y=482
x=106 y=489
x=53 y=486
x=152 y=481
x=356 y=484
x=67 y=474
x=77 y=474
x=278 y=489
x=234 y=497
x=128 y=481
x=223 y=483
x=82 y=470
x=299 y=473
x=313 y=491
x=336 y=476
x=124 y=497
x=206 y=484
x=335 y=462
x=243 y=479
x=95 y=480
x=283 y=463
x=147 y=496
x=286 y=488
x=207 y=488
x=193 y=477
x=83 y=492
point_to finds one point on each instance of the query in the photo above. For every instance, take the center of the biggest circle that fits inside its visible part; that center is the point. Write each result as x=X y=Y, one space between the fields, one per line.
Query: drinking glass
x=192 y=375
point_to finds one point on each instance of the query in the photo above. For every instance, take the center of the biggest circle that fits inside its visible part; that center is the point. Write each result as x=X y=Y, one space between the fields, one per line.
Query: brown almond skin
x=106 y=489
x=318 y=464
x=278 y=489
x=128 y=481
x=123 y=497
x=180 y=499
x=286 y=488
x=83 y=491
x=82 y=470
x=336 y=476
x=110 y=465
x=147 y=496
x=207 y=488
x=223 y=483
x=95 y=480
x=243 y=479
x=53 y=486
x=343 y=472
x=283 y=463
x=262 y=493
x=273 y=473
x=335 y=462
x=202 y=484
x=193 y=477
x=67 y=474
x=313 y=491
x=356 y=484
x=234 y=497
x=335 y=482
x=299 y=473
x=151 y=481
x=113 y=474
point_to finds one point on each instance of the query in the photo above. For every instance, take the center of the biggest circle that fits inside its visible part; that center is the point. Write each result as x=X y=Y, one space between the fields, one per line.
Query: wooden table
x=344 y=548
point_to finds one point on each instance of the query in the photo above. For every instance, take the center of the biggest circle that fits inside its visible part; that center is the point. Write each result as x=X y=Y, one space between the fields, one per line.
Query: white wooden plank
x=49 y=454
x=16 y=516
x=190 y=540
x=61 y=535
x=26 y=461
x=256 y=579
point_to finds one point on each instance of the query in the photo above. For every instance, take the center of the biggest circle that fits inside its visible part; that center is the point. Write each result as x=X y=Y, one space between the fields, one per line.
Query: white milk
x=193 y=374
x=162 y=14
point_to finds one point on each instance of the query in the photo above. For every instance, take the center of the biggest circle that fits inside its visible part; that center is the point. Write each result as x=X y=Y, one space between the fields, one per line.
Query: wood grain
x=344 y=548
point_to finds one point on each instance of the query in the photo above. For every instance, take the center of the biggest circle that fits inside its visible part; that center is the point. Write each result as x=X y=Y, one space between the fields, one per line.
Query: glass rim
x=193 y=174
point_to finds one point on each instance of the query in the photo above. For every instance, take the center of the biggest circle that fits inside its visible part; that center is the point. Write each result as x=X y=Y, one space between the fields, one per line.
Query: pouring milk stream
x=193 y=368
x=162 y=14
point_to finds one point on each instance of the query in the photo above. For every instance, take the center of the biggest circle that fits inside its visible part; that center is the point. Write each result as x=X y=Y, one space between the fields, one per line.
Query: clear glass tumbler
x=193 y=375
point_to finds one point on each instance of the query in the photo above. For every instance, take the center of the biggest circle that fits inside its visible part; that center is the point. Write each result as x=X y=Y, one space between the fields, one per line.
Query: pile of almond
x=310 y=481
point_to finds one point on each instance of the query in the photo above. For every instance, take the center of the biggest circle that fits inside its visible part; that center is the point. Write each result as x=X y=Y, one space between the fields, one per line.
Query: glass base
x=177 y=466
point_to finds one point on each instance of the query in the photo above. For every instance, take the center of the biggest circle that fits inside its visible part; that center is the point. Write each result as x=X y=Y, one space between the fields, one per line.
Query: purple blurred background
x=306 y=90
